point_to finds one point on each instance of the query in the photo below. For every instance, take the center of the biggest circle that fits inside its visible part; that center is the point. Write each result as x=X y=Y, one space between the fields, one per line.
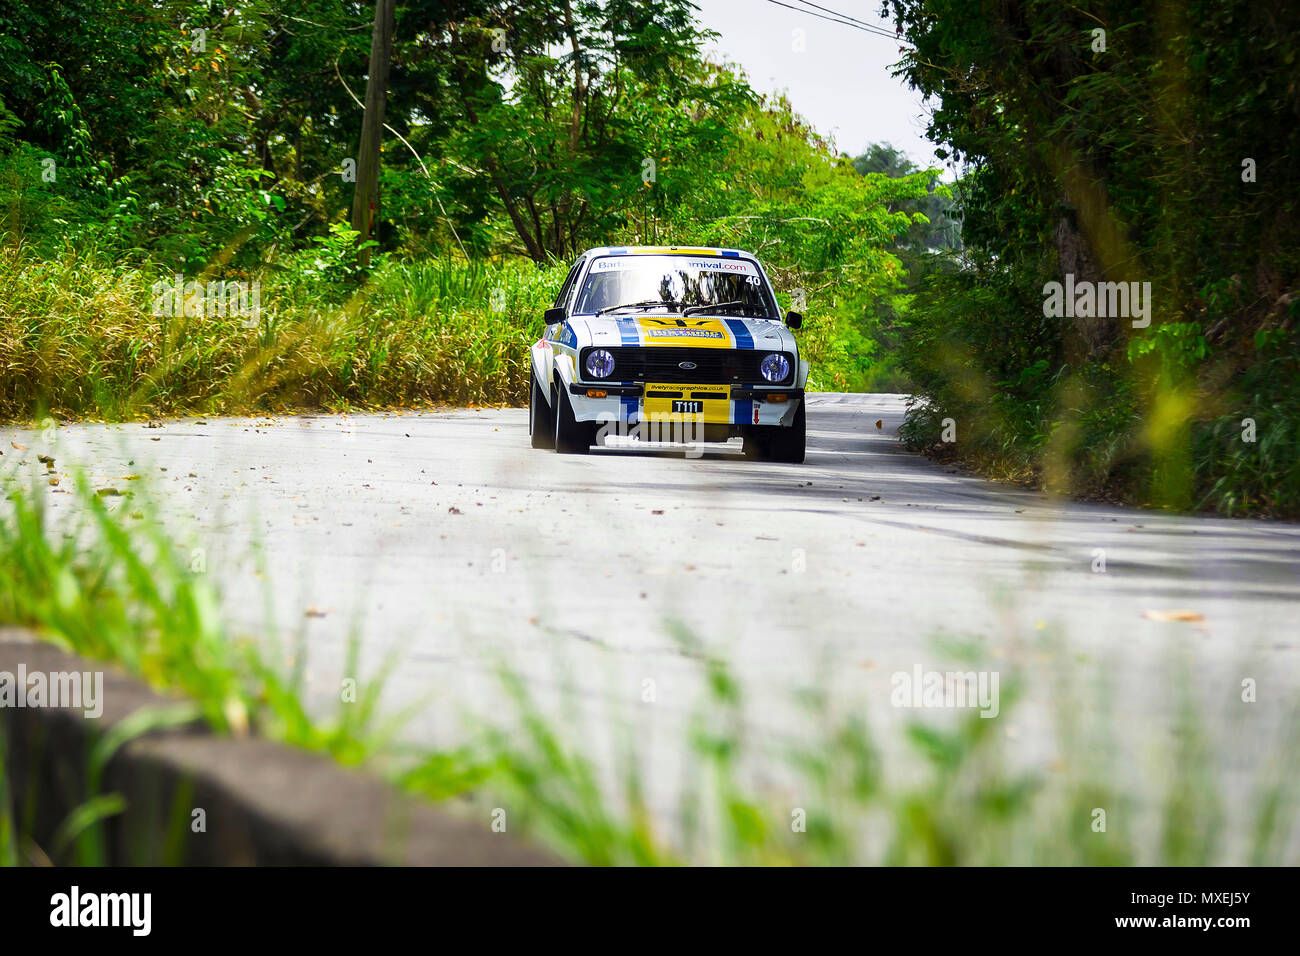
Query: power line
x=855 y=24
x=871 y=27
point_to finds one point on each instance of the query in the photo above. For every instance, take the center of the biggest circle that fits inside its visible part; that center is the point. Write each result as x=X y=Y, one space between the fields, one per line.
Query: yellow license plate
x=710 y=404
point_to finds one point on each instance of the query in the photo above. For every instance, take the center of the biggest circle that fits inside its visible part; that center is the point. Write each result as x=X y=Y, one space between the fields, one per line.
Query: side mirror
x=551 y=316
x=794 y=319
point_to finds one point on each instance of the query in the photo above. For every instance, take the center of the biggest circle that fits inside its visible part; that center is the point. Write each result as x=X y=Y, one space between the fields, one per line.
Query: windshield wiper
x=648 y=304
x=697 y=309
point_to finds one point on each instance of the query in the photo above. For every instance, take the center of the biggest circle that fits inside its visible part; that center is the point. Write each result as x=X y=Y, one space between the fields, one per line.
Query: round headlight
x=600 y=364
x=775 y=367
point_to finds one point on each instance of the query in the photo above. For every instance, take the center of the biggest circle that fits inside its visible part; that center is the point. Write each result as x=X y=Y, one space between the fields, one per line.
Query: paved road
x=444 y=540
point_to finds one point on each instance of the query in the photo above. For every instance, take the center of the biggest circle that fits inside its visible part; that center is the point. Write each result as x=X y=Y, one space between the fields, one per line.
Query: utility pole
x=365 y=200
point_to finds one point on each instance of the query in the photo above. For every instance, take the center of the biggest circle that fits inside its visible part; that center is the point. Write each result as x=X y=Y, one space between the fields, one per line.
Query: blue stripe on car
x=628 y=330
x=743 y=339
x=630 y=404
x=744 y=411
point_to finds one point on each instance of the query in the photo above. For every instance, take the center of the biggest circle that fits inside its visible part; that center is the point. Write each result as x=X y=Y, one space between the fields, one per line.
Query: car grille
x=712 y=366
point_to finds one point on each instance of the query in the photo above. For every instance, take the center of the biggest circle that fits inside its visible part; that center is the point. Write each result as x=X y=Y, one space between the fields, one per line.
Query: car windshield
x=727 y=285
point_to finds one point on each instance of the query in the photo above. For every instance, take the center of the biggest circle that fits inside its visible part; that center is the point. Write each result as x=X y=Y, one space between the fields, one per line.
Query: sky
x=840 y=81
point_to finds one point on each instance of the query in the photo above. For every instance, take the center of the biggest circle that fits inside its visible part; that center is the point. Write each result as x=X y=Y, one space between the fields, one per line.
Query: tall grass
x=934 y=792
x=938 y=791
x=1162 y=424
x=120 y=590
x=78 y=338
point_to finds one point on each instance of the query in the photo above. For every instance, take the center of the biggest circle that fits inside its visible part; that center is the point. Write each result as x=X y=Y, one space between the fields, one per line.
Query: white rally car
x=668 y=343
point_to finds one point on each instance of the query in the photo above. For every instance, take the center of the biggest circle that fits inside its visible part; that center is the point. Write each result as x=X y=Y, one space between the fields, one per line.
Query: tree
x=365 y=198
x=1125 y=141
x=940 y=230
x=574 y=110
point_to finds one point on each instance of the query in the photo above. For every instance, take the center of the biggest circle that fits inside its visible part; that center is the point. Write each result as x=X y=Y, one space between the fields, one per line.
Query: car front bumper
x=717 y=404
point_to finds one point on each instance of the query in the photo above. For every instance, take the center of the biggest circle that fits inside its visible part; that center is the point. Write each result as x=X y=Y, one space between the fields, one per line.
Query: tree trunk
x=365 y=200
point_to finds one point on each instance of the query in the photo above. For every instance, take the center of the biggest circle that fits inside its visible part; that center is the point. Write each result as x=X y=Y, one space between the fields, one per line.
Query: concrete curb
x=265 y=804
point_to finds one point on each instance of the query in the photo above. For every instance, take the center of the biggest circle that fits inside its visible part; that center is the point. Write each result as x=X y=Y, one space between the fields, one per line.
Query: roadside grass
x=940 y=792
x=78 y=337
x=948 y=790
x=111 y=586
x=1158 y=424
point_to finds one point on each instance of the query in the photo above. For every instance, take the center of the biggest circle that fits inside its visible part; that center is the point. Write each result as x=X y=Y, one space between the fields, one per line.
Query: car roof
x=667 y=250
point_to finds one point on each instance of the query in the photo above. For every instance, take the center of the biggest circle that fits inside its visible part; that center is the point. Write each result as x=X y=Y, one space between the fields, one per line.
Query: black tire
x=790 y=444
x=786 y=444
x=572 y=437
x=541 y=420
x=756 y=443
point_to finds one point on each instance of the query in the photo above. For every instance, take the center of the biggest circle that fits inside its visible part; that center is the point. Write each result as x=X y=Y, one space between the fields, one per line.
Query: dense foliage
x=139 y=143
x=1116 y=142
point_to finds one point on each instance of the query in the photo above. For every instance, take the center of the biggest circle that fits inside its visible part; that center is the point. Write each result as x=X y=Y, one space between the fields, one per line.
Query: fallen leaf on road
x=1173 y=616
x=110 y=493
x=880 y=423
x=659 y=512
x=18 y=446
x=453 y=510
x=313 y=612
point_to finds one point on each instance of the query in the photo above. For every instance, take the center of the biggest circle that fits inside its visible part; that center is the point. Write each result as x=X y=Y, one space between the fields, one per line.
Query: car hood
x=693 y=331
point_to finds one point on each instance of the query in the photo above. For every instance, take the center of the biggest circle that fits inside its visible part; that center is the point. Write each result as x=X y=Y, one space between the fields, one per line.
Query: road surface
x=448 y=545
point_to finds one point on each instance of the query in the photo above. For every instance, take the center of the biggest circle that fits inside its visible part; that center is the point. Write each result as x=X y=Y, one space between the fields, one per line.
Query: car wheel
x=541 y=423
x=789 y=444
x=756 y=444
x=781 y=443
x=572 y=437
